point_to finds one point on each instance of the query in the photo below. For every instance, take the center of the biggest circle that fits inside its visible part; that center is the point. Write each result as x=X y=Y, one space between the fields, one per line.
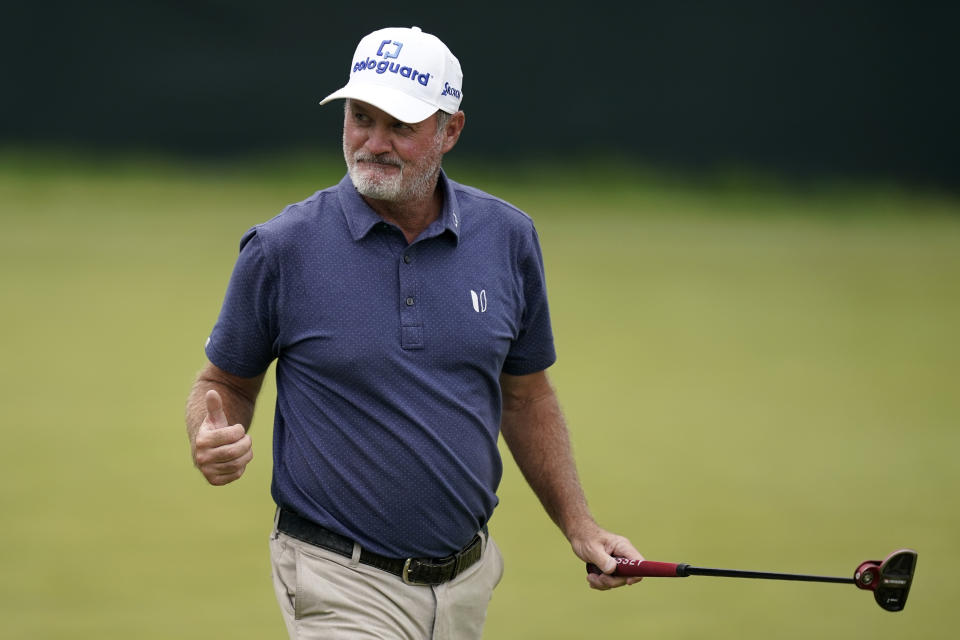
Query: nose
x=378 y=140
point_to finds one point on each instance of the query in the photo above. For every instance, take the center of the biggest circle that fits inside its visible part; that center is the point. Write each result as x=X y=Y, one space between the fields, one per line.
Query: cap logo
x=383 y=66
x=450 y=91
x=394 y=54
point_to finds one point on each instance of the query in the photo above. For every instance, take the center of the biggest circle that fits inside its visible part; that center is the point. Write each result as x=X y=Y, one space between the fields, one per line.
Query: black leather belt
x=419 y=571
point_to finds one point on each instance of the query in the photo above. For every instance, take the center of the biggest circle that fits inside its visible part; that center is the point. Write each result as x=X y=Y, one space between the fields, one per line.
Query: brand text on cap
x=384 y=65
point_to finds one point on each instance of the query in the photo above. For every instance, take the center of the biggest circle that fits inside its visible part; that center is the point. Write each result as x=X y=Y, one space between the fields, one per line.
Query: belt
x=416 y=571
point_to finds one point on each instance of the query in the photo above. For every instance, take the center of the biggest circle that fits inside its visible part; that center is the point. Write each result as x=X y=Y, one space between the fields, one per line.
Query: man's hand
x=600 y=547
x=220 y=450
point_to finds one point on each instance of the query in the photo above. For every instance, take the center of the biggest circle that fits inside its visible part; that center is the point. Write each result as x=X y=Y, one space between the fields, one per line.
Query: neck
x=411 y=216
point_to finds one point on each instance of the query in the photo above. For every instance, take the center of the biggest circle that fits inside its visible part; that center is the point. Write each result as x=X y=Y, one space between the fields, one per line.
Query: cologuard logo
x=390 y=50
x=390 y=54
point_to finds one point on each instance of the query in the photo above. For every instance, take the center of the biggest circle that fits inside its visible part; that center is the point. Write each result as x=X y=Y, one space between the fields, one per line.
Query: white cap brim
x=398 y=104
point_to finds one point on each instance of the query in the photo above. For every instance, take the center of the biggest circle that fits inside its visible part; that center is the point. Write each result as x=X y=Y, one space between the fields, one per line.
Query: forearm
x=536 y=433
x=534 y=429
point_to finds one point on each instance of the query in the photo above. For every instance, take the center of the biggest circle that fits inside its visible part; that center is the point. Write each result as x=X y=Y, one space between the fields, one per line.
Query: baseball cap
x=405 y=72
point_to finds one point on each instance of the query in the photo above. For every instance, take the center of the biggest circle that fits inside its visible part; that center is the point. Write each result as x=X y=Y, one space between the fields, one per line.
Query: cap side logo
x=450 y=91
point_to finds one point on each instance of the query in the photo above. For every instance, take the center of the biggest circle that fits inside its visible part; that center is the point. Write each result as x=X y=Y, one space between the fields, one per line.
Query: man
x=408 y=316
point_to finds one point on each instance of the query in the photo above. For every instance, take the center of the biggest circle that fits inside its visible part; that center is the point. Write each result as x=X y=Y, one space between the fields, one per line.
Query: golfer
x=408 y=317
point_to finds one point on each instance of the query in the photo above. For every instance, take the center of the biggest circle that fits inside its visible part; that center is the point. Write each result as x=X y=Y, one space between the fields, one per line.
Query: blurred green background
x=750 y=218
x=756 y=374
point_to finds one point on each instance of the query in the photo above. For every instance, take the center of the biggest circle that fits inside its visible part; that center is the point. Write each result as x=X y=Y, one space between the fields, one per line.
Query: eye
x=360 y=117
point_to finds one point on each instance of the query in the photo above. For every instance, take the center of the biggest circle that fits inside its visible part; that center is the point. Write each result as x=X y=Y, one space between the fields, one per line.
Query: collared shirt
x=388 y=359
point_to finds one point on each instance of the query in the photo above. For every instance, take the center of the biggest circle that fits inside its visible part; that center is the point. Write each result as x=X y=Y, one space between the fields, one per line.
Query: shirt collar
x=361 y=219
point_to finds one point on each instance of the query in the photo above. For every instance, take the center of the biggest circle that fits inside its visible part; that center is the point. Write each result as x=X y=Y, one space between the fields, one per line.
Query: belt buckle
x=455 y=563
x=409 y=564
x=406 y=572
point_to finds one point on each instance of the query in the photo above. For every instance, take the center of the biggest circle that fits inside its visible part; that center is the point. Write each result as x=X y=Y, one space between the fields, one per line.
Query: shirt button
x=407 y=259
x=410 y=302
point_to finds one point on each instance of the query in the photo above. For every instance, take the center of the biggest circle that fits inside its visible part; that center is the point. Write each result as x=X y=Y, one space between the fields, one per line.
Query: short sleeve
x=244 y=338
x=533 y=350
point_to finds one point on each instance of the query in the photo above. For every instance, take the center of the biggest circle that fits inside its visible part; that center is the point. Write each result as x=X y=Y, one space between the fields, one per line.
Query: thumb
x=216 y=418
x=594 y=553
x=603 y=560
x=608 y=564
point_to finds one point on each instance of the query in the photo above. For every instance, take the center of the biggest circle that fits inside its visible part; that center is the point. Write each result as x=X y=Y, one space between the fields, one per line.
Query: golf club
x=889 y=579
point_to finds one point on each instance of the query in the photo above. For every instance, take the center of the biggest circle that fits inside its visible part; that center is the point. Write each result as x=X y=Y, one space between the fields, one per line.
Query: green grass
x=755 y=376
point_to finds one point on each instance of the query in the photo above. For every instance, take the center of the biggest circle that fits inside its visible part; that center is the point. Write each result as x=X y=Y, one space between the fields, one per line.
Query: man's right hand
x=221 y=451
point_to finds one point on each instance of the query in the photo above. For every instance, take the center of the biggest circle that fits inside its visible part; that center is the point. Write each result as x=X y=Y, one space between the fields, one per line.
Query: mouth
x=383 y=164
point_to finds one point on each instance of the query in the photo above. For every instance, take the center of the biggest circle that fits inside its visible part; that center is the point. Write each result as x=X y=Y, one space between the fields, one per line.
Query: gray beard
x=394 y=189
x=421 y=180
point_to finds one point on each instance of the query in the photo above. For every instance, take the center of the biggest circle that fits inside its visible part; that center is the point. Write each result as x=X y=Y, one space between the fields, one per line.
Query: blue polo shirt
x=388 y=359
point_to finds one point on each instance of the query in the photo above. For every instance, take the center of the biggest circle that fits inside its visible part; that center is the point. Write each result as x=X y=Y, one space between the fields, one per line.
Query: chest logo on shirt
x=479 y=300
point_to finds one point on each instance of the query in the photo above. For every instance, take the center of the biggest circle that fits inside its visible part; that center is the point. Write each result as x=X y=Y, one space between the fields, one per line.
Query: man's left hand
x=600 y=547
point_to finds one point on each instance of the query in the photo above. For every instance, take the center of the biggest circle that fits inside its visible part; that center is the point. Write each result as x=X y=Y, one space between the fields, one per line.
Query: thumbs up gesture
x=221 y=451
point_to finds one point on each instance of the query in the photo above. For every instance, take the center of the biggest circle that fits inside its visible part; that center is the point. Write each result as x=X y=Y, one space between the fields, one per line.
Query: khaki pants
x=325 y=595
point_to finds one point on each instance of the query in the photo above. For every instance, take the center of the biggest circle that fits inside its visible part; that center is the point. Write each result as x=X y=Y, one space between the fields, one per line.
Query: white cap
x=405 y=72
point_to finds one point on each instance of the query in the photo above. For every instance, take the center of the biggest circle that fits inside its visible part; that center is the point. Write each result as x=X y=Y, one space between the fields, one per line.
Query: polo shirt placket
x=411 y=323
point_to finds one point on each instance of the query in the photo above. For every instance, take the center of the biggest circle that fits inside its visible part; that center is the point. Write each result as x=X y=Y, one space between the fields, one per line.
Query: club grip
x=644 y=569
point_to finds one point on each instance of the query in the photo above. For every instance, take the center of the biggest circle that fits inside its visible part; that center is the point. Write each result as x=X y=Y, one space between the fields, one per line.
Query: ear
x=451 y=133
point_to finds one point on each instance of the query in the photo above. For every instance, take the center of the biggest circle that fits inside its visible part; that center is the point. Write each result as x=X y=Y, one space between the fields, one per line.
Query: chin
x=375 y=189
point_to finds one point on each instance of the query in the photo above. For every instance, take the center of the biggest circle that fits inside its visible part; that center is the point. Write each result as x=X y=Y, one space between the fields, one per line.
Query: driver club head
x=889 y=580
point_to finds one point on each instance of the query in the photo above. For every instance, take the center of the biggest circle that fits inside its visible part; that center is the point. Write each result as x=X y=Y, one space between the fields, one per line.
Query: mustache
x=383 y=158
